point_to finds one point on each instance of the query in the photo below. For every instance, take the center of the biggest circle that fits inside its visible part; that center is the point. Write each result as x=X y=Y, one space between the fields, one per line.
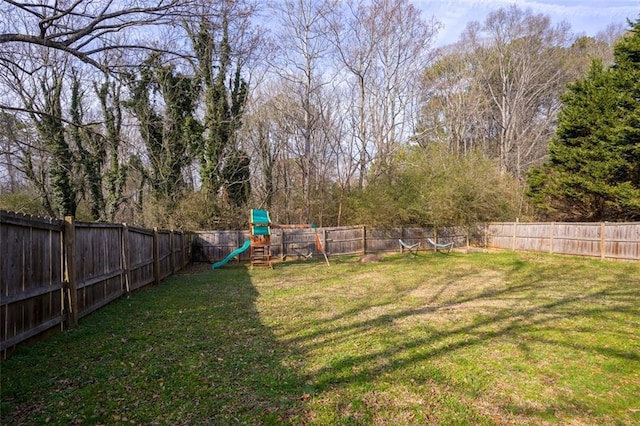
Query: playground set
x=259 y=242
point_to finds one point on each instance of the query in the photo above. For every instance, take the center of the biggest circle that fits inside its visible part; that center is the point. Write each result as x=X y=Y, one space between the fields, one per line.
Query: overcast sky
x=584 y=16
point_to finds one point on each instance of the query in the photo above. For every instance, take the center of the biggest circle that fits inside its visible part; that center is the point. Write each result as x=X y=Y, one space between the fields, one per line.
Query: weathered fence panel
x=31 y=277
x=211 y=246
x=582 y=239
x=500 y=235
x=99 y=265
x=605 y=240
x=293 y=243
x=460 y=236
x=140 y=257
x=382 y=240
x=413 y=236
x=343 y=240
x=180 y=250
x=104 y=261
x=164 y=253
x=622 y=241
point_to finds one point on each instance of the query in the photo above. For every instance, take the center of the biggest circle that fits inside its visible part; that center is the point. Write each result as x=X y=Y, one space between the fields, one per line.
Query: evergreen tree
x=593 y=172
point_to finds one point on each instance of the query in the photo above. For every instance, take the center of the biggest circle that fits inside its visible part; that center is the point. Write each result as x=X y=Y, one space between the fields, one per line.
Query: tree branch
x=79 y=32
x=30 y=39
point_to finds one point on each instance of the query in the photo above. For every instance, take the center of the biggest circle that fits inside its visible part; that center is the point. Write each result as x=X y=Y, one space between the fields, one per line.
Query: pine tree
x=593 y=172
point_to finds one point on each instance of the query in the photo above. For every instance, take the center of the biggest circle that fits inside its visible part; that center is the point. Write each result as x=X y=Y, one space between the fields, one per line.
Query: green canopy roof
x=260 y=222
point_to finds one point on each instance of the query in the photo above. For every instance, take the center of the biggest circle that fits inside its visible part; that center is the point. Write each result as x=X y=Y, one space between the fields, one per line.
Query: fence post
x=515 y=227
x=486 y=236
x=553 y=233
x=468 y=231
x=324 y=240
x=71 y=276
x=126 y=252
x=282 y=237
x=156 y=257
x=172 y=253
x=602 y=240
x=364 y=240
x=238 y=243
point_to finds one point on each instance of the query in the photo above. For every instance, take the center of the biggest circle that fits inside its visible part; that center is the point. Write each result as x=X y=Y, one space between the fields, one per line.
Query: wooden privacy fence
x=619 y=241
x=53 y=272
x=211 y=246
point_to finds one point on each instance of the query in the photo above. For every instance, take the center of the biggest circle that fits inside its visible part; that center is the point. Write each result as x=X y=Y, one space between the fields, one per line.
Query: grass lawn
x=498 y=338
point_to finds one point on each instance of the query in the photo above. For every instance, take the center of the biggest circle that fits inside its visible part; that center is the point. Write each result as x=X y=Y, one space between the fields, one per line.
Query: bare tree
x=519 y=59
x=302 y=60
x=14 y=136
x=455 y=111
x=269 y=135
x=384 y=46
x=355 y=46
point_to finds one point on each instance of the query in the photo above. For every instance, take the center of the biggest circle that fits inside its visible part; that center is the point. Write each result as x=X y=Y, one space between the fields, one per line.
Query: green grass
x=441 y=339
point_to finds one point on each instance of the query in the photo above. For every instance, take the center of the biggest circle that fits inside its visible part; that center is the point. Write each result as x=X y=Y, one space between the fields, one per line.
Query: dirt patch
x=370 y=258
x=195 y=268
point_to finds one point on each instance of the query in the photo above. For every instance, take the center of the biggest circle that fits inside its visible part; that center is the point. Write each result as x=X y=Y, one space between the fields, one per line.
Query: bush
x=432 y=186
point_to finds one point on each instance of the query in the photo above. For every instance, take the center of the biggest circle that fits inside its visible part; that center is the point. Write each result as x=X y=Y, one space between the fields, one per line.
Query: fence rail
x=53 y=272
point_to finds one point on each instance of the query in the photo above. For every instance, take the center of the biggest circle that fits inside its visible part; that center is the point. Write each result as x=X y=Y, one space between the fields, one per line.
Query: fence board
x=164 y=253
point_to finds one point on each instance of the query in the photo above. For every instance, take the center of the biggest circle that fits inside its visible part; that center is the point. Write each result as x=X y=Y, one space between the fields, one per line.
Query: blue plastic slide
x=231 y=255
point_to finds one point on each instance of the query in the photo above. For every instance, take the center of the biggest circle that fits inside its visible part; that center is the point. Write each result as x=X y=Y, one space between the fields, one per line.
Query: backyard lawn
x=457 y=339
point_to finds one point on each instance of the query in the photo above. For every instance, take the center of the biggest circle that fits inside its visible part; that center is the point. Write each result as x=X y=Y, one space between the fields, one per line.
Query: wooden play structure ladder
x=260 y=256
x=260 y=230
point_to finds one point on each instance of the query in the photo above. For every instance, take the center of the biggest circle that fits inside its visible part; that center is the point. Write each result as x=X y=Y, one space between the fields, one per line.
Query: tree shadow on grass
x=249 y=380
x=192 y=351
x=195 y=350
x=531 y=318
